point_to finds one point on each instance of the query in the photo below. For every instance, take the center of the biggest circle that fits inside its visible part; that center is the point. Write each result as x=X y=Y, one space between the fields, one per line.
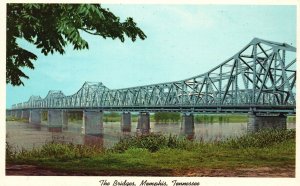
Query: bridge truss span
x=260 y=75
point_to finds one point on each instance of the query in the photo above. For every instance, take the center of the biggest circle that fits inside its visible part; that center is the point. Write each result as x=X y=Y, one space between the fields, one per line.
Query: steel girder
x=262 y=73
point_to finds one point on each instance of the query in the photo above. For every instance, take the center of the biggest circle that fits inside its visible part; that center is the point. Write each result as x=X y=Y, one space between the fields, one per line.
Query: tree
x=50 y=27
x=166 y=116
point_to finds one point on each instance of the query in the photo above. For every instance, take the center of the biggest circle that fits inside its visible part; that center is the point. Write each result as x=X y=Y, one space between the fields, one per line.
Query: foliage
x=44 y=115
x=155 y=142
x=261 y=139
x=75 y=116
x=166 y=116
x=291 y=119
x=152 y=142
x=72 y=116
x=172 y=154
x=111 y=117
x=54 y=151
x=13 y=118
x=10 y=152
x=220 y=118
x=10 y=118
x=50 y=27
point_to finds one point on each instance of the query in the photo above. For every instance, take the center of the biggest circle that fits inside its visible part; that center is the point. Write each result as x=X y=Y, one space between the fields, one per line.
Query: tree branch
x=87 y=31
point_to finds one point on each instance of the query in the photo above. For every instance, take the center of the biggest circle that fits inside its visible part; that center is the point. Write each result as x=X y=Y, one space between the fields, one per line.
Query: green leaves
x=15 y=59
x=154 y=143
x=261 y=139
x=166 y=116
x=50 y=27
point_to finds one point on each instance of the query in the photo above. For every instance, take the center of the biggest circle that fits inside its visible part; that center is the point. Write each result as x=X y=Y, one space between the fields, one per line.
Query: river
x=28 y=136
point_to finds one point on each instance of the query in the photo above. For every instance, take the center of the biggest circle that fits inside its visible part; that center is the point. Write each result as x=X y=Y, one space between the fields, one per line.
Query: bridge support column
x=260 y=122
x=126 y=122
x=92 y=122
x=9 y=113
x=35 y=116
x=65 y=119
x=57 y=119
x=14 y=113
x=19 y=114
x=25 y=114
x=143 y=126
x=94 y=141
x=187 y=125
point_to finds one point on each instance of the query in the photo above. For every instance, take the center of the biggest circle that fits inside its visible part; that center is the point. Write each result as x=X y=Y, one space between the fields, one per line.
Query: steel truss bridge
x=261 y=78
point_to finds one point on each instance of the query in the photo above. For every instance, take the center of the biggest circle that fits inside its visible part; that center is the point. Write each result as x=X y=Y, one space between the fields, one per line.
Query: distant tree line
x=74 y=116
x=166 y=116
x=211 y=118
x=111 y=117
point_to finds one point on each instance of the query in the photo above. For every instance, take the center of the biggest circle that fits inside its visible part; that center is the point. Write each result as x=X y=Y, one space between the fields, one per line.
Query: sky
x=182 y=41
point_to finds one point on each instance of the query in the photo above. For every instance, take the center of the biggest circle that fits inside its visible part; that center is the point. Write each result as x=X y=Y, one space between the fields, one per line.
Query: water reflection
x=28 y=135
x=58 y=138
x=141 y=132
x=126 y=129
x=35 y=127
x=54 y=129
x=190 y=136
x=95 y=141
x=189 y=133
x=126 y=133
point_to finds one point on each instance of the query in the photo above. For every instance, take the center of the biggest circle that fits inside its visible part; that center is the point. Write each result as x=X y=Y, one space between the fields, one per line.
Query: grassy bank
x=164 y=155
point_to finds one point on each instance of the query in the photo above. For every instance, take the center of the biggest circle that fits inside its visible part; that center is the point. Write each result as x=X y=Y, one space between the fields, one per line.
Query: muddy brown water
x=28 y=136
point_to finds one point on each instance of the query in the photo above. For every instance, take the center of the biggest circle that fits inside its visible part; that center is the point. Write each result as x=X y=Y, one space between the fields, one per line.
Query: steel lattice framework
x=261 y=75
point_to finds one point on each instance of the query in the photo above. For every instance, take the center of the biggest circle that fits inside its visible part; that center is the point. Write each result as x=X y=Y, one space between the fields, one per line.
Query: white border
x=94 y=180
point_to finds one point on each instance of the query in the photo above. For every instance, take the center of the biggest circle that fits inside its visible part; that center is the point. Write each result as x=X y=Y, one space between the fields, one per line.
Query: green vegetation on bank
x=291 y=119
x=12 y=118
x=167 y=117
x=165 y=154
x=75 y=116
x=112 y=117
x=163 y=117
x=221 y=118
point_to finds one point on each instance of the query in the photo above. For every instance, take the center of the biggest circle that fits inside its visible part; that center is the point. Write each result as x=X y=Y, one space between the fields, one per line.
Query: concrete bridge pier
x=126 y=122
x=92 y=122
x=65 y=119
x=25 y=114
x=57 y=119
x=258 y=122
x=187 y=125
x=9 y=113
x=18 y=114
x=94 y=141
x=15 y=113
x=35 y=116
x=143 y=126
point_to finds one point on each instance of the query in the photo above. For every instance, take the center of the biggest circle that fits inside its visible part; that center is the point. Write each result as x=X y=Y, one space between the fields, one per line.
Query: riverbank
x=265 y=154
x=32 y=170
x=164 y=117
